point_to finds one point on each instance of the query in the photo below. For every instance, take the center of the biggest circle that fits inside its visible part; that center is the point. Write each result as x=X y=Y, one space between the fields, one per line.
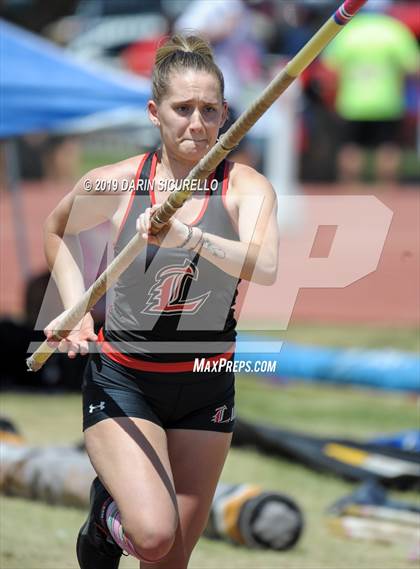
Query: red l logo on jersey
x=169 y=293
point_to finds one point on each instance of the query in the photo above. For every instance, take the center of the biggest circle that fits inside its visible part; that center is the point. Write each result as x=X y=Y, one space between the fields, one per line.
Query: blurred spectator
x=371 y=57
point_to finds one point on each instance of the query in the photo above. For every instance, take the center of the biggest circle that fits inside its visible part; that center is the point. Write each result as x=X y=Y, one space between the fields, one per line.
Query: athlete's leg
x=197 y=458
x=130 y=456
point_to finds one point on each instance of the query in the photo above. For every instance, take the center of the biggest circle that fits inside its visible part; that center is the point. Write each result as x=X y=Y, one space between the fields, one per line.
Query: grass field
x=38 y=536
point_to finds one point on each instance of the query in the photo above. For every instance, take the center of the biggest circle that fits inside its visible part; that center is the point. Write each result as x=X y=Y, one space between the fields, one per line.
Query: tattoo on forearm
x=213 y=249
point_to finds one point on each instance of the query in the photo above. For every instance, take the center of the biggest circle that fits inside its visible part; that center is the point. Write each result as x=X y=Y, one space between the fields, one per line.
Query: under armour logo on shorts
x=101 y=407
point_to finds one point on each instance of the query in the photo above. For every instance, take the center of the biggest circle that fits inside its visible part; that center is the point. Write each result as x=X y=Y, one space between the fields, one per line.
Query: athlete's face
x=190 y=114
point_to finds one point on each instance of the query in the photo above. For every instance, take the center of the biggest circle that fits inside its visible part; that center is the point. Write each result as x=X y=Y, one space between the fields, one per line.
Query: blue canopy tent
x=43 y=88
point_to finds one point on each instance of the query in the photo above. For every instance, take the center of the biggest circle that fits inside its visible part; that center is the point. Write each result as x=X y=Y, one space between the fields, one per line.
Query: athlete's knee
x=152 y=543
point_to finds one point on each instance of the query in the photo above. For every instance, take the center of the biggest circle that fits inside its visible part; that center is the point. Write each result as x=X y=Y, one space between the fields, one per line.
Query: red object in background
x=323 y=80
x=408 y=13
x=140 y=56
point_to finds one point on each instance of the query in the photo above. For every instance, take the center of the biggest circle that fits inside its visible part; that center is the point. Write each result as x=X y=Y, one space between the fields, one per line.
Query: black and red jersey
x=172 y=305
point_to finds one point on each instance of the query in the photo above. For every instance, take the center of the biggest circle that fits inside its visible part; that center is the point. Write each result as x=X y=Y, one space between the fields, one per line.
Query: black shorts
x=202 y=400
x=369 y=134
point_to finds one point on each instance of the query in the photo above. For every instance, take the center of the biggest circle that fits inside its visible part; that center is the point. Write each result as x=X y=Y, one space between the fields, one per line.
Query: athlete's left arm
x=253 y=204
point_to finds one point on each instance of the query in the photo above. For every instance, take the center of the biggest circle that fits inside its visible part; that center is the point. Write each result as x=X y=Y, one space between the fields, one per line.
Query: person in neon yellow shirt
x=372 y=56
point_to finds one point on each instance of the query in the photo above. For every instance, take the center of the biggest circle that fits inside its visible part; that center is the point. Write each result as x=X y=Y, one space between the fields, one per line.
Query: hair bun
x=186 y=44
x=178 y=53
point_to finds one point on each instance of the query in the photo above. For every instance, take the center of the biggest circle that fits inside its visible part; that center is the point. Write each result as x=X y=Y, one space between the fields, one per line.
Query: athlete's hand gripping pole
x=201 y=171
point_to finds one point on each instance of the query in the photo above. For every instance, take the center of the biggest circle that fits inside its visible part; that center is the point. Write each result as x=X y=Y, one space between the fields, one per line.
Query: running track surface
x=388 y=296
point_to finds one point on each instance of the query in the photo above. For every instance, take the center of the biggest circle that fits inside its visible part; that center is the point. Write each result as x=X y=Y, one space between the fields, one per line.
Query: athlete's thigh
x=197 y=458
x=130 y=455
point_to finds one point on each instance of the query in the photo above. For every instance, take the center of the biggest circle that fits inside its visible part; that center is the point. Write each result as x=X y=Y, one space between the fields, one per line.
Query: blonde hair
x=179 y=53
